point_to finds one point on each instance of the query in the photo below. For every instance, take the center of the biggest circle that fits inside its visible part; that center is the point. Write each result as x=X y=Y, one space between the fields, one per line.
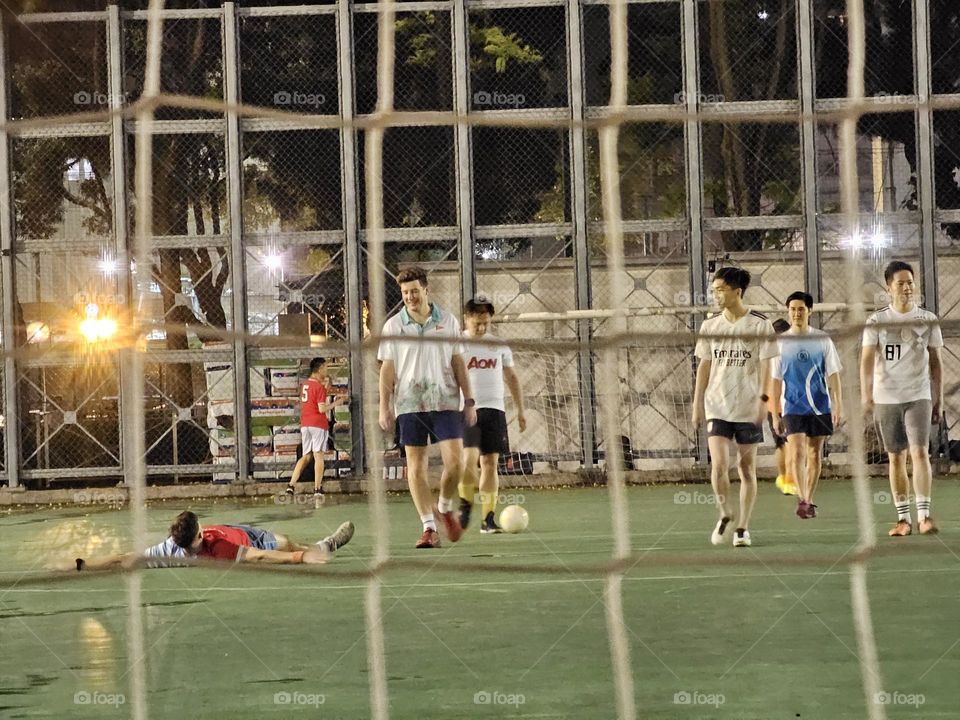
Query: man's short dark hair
x=780 y=325
x=734 y=277
x=478 y=305
x=801 y=295
x=316 y=364
x=410 y=274
x=184 y=529
x=894 y=267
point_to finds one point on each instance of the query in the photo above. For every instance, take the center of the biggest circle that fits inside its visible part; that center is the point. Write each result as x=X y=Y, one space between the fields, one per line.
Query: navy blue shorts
x=260 y=539
x=743 y=433
x=422 y=428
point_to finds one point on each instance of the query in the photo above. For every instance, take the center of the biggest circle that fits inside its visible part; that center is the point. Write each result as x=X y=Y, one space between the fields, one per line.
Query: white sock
x=428 y=522
x=445 y=505
x=923 y=507
x=903 y=510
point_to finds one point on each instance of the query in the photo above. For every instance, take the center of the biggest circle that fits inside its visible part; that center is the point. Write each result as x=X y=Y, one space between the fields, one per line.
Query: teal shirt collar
x=434 y=315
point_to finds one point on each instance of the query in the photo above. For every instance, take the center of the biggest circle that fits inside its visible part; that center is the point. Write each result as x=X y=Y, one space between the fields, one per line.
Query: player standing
x=488 y=367
x=420 y=386
x=314 y=425
x=733 y=373
x=901 y=382
x=806 y=397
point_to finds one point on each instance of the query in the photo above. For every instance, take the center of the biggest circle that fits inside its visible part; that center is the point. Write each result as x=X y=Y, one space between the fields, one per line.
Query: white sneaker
x=741 y=538
x=716 y=537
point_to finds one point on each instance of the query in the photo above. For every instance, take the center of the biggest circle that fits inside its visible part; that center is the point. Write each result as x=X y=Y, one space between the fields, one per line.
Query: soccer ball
x=514 y=519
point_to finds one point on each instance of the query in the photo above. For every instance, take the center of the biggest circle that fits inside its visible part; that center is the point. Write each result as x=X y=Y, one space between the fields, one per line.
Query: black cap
x=479 y=303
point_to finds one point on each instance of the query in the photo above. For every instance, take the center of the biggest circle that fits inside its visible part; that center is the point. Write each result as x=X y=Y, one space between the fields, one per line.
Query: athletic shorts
x=809 y=425
x=260 y=539
x=743 y=432
x=904 y=425
x=490 y=432
x=778 y=440
x=314 y=439
x=422 y=428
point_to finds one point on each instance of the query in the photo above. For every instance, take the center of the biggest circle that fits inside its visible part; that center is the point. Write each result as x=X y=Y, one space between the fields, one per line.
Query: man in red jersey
x=314 y=424
x=233 y=543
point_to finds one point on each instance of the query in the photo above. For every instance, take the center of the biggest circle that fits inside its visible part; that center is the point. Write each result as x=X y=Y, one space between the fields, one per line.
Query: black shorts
x=422 y=428
x=778 y=440
x=744 y=433
x=809 y=425
x=489 y=434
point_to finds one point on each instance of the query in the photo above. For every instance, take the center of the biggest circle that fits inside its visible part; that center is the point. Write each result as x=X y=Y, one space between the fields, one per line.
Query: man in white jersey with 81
x=901 y=382
x=735 y=348
x=488 y=366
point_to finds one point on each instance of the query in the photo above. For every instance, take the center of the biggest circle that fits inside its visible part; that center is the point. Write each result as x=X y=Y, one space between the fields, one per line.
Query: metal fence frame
x=466 y=232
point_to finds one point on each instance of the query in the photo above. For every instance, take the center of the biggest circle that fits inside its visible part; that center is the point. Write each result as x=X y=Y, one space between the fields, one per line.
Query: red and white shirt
x=312 y=395
x=485 y=364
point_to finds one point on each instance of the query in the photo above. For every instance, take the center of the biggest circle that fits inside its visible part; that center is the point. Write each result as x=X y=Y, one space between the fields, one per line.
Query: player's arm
x=104 y=562
x=516 y=392
x=388 y=379
x=311 y=556
x=463 y=380
x=936 y=382
x=765 y=389
x=836 y=398
x=699 y=391
x=776 y=403
x=868 y=357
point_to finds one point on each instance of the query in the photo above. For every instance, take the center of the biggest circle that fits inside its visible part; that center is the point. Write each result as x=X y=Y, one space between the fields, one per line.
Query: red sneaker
x=802 y=509
x=429 y=539
x=451 y=525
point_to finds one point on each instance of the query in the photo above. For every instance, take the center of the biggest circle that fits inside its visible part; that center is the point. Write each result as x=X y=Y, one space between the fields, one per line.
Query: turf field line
x=553 y=581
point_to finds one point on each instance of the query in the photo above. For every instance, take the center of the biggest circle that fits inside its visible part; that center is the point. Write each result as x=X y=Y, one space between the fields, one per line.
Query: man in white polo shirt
x=735 y=349
x=901 y=382
x=420 y=386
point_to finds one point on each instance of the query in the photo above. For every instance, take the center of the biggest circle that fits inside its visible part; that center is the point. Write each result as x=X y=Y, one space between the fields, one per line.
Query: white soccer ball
x=514 y=519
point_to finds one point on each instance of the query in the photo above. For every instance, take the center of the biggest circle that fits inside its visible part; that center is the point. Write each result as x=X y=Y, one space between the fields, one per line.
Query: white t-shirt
x=485 y=364
x=733 y=391
x=424 y=370
x=901 y=370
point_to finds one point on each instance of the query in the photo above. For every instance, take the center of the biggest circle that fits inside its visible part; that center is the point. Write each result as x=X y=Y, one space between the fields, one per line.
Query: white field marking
x=480 y=585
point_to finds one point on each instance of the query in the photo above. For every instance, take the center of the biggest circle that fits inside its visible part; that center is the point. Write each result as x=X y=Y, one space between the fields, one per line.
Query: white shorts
x=314 y=439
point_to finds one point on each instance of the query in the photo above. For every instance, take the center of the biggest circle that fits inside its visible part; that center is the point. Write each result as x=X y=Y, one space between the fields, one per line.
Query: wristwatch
x=469 y=402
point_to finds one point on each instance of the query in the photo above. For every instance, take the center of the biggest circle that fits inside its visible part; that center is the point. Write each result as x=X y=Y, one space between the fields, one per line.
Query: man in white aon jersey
x=735 y=348
x=488 y=366
x=901 y=381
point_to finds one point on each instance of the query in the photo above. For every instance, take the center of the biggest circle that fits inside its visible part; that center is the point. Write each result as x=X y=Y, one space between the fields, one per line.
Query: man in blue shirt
x=806 y=397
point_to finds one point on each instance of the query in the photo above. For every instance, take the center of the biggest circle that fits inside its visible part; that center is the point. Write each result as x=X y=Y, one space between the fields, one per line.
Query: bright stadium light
x=37 y=332
x=108 y=265
x=95 y=328
x=273 y=261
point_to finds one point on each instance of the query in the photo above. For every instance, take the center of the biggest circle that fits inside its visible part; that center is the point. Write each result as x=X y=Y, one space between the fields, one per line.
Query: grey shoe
x=341 y=537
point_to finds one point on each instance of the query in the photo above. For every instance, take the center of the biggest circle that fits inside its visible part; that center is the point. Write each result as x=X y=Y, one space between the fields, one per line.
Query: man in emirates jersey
x=314 y=424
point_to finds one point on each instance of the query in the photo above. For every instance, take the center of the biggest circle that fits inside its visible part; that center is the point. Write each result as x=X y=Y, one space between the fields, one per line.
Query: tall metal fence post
x=925 y=171
x=808 y=143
